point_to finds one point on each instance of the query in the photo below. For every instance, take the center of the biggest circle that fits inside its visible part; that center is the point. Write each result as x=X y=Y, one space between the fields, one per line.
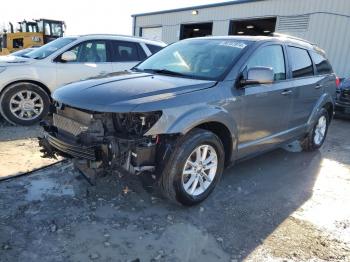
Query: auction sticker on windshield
x=233 y=44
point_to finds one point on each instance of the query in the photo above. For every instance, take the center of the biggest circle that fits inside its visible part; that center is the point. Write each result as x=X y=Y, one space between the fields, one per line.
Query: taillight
x=337 y=82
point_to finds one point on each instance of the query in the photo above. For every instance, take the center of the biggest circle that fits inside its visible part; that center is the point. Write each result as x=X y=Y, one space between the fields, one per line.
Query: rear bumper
x=342 y=109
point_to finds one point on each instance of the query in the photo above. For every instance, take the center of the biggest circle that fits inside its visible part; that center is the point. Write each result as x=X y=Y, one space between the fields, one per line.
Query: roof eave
x=197 y=7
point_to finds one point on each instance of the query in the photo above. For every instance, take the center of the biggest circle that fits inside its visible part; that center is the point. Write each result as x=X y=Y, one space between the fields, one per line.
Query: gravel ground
x=281 y=206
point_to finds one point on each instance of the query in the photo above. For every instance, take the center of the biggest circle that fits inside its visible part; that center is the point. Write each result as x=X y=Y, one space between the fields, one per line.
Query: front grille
x=78 y=151
x=68 y=125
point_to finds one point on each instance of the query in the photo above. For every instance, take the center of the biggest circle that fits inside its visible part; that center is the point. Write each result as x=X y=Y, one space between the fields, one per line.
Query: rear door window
x=323 y=66
x=301 y=62
x=127 y=52
x=270 y=56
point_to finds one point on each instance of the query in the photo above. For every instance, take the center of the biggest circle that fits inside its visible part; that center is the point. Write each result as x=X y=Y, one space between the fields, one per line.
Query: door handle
x=286 y=92
x=318 y=86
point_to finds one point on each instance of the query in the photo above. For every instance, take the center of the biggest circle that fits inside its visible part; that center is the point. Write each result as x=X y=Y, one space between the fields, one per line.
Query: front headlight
x=2 y=69
x=135 y=123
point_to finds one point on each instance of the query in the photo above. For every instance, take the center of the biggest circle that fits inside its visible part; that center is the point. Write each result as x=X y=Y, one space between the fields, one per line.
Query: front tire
x=24 y=104
x=316 y=137
x=194 y=168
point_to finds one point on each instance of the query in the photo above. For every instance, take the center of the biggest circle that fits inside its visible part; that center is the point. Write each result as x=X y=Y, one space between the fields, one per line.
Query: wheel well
x=223 y=133
x=45 y=88
x=329 y=107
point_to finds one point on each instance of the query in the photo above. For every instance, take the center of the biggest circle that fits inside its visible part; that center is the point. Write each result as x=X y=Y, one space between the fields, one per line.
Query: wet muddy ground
x=281 y=206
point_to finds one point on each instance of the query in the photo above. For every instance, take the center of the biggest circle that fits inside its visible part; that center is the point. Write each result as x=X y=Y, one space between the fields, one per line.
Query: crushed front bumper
x=100 y=142
x=131 y=154
x=72 y=150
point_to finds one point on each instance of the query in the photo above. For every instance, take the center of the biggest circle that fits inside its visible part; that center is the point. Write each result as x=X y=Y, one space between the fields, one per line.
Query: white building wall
x=328 y=23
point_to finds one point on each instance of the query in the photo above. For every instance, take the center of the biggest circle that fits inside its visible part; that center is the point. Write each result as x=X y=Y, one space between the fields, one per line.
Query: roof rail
x=292 y=37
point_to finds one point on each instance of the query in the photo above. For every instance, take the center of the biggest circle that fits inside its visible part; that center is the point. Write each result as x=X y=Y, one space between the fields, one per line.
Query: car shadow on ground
x=58 y=210
x=256 y=196
x=10 y=132
x=253 y=198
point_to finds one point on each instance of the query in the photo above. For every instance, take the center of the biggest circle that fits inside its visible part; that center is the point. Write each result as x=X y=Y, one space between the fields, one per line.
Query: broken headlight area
x=135 y=123
x=101 y=141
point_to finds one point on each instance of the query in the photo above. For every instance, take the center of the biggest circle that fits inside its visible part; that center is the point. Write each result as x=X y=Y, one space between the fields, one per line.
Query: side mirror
x=258 y=75
x=69 y=56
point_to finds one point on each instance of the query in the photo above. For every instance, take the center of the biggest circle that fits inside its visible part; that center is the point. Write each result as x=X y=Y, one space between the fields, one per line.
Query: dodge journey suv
x=193 y=108
x=27 y=80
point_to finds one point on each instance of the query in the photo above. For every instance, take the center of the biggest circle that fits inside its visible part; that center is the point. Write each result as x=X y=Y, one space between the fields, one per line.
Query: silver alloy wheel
x=199 y=170
x=26 y=105
x=320 y=130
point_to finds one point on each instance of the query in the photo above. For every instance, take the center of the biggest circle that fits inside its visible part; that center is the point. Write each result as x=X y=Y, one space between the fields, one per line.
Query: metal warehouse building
x=324 y=22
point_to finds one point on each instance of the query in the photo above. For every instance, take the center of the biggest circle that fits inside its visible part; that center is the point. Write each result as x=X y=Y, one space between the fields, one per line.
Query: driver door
x=266 y=107
x=92 y=61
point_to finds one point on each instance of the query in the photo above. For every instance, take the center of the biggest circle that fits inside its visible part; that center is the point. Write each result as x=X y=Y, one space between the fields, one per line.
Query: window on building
x=261 y=26
x=301 y=62
x=196 y=30
x=270 y=56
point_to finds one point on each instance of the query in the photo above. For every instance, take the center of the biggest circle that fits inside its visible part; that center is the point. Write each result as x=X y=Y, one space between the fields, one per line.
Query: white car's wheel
x=24 y=104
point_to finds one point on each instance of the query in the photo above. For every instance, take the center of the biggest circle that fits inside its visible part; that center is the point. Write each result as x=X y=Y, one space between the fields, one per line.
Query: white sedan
x=27 y=82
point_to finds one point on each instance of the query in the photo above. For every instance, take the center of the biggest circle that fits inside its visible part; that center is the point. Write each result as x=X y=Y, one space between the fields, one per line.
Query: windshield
x=195 y=58
x=50 y=48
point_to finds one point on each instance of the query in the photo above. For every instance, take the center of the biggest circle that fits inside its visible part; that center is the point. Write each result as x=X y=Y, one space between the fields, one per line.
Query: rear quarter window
x=301 y=62
x=154 y=48
x=322 y=64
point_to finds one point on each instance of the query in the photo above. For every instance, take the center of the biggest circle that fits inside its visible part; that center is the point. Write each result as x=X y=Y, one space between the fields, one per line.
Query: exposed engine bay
x=101 y=141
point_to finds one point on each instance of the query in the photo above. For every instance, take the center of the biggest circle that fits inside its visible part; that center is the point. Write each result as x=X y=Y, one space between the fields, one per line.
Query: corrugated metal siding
x=314 y=20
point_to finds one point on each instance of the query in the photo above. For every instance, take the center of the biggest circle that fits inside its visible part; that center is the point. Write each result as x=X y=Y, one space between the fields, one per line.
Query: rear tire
x=194 y=168
x=24 y=104
x=316 y=137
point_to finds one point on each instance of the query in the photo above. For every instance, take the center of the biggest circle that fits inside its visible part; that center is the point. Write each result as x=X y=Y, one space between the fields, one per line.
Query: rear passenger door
x=126 y=55
x=307 y=88
x=266 y=107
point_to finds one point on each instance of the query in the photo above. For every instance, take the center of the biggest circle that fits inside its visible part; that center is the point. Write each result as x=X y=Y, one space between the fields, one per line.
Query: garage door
x=152 y=33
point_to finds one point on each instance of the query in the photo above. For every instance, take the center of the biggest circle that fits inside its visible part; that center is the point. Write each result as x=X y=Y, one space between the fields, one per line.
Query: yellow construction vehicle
x=30 y=34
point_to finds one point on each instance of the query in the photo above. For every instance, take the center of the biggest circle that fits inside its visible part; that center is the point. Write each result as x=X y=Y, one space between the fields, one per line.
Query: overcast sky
x=89 y=16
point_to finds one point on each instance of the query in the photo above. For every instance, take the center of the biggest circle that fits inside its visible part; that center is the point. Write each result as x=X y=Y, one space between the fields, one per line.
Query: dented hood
x=126 y=90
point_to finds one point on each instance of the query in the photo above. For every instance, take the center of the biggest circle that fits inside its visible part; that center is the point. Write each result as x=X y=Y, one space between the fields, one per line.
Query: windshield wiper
x=165 y=72
x=136 y=69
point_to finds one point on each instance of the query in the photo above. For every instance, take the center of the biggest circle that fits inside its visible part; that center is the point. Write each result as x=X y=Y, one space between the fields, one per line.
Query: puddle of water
x=39 y=189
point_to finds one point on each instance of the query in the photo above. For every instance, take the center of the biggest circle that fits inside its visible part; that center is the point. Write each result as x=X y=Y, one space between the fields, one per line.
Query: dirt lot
x=281 y=206
x=18 y=150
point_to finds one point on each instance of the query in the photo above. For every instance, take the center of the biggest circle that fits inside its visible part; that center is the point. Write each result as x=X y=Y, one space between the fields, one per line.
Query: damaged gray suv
x=193 y=108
